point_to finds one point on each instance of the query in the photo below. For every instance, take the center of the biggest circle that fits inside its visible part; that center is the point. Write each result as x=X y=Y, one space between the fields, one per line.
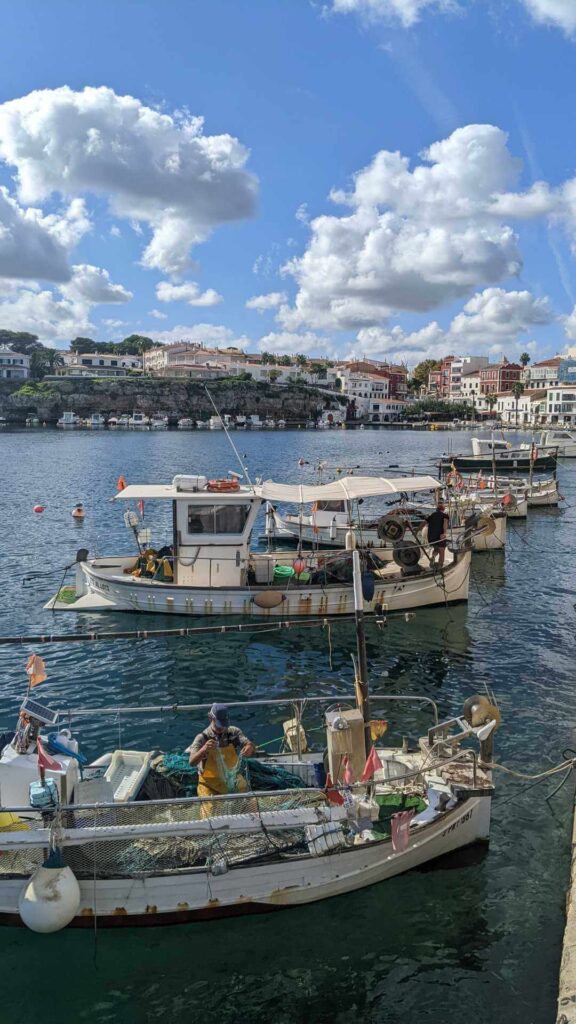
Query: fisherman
x=216 y=751
x=437 y=530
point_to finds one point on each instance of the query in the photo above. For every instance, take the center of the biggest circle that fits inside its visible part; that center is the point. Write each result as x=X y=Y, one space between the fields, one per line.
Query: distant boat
x=139 y=421
x=185 y=423
x=69 y=421
x=489 y=452
x=97 y=421
x=201 y=424
x=269 y=424
x=281 y=424
x=159 y=422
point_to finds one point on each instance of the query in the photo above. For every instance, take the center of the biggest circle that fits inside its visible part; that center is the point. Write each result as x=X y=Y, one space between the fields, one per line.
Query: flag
x=348 y=777
x=332 y=794
x=141 y=508
x=120 y=483
x=36 y=670
x=373 y=764
x=400 y=829
x=45 y=762
x=378 y=727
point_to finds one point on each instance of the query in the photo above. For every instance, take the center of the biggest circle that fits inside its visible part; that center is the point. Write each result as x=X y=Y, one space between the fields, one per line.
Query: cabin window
x=217 y=518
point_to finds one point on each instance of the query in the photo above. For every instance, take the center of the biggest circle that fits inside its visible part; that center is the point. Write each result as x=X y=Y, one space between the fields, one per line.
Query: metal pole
x=362 y=691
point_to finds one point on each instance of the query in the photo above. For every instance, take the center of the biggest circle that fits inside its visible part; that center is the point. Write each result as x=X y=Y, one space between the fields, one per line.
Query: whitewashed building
x=13 y=365
x=98 y=364
x=561 y=405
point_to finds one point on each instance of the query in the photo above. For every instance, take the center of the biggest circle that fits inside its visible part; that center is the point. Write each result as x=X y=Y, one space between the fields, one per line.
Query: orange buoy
x=39 y=508
x=299 y=566
x=78 y=511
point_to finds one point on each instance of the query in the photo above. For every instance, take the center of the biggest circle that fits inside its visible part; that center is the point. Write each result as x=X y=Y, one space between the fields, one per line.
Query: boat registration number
x=456 y=824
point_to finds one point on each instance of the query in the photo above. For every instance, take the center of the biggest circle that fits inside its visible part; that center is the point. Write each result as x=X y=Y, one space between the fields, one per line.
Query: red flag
x=373 y=764
x=141 y=508
x=400 y=829
x=120 y=483
x=333 y=795
x=348 y=776
x=45 y=762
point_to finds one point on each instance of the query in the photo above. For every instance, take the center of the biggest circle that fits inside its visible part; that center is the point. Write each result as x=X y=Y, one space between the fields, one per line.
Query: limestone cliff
x=175 y=398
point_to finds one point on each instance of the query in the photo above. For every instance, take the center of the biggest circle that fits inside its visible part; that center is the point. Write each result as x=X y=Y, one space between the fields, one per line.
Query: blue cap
x=219 y=714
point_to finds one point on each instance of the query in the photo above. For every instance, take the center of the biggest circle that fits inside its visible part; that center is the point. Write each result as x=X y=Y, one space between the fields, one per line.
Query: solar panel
x=39 y=711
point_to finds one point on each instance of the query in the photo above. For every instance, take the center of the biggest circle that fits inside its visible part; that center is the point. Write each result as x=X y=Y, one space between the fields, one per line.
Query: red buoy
x=39 y=508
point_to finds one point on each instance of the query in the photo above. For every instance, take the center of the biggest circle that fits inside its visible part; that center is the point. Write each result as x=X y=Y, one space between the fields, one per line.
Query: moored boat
x=211 y=569
x=489 y=453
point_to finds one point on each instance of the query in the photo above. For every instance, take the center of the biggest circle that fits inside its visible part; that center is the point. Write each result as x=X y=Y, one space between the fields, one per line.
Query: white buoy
x=350 y=540
x=51 y=898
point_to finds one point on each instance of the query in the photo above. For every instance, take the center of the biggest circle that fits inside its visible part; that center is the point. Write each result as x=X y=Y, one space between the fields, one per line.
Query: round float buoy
x=78 y=511
x=51 y=899
x=299 y=566
x=39 y=508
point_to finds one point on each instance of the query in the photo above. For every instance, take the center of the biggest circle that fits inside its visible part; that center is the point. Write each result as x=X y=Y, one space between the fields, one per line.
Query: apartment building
x=97 y=364
x=498 y=377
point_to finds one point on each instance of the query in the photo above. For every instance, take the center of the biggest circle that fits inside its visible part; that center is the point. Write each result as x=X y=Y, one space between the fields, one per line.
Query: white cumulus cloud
x=413 y=239
x=209 y=335
x=288 y=342
x=158 y=315
x=269 y=301
x=559 y=13
x=188 y=292
x=492 y=321
x=29 y=246
x=93 y=285
x=155 y=169
x=42 y=313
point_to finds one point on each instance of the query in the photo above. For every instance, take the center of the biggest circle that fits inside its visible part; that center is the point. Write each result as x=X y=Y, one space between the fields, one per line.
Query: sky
x=387 y=178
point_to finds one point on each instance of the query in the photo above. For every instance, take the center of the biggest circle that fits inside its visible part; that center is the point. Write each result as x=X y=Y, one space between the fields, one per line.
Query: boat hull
x=105 y=591
x=504 y=462
x=196 y=894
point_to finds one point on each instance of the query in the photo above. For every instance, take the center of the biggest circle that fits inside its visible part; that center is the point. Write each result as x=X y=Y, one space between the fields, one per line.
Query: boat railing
x=299 y=703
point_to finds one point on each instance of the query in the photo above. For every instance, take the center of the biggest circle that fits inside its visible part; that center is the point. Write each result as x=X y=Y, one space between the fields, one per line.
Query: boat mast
x=361 y=664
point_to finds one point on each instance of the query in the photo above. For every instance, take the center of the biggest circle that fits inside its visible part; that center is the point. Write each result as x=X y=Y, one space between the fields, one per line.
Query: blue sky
x=127 y=215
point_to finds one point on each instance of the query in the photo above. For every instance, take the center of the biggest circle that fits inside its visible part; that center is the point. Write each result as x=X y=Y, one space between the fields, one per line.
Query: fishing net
x=152 y=854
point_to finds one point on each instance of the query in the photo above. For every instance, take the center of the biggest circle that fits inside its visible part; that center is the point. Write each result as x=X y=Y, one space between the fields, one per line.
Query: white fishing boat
x=201 y=424
x=211 y=569
x=269 y=424
x=326 y=525
x=123 y=843
x=254 y=422
x=69 y=421
x=185 y=423
x=159 y=421
x=124 y=421
x=139 y=421
x=241 y=423
x=215 y=423
x=539 y=491
x=113 y=423
x=281 y=424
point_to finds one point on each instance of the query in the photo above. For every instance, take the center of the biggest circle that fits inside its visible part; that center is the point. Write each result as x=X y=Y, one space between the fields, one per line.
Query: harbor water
x=476 y=936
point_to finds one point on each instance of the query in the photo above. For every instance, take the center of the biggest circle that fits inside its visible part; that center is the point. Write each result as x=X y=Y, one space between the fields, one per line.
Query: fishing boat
x=490 y=453
x=69 y=421
x=254 y=422
x=327 y=525
x=130 y=843
x=139 y=421
x=210 y=568
x=281 y=424
x=201 y=424
x=269 y=424
x=185 y=423
x=540 y=492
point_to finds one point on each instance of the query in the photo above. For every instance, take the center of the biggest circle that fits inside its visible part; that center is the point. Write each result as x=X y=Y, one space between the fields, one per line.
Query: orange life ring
x=455 y=479
x=223 y=485
x=482 y=484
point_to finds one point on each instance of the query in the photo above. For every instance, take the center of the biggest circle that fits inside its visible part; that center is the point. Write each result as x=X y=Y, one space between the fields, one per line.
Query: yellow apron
x=211 y=779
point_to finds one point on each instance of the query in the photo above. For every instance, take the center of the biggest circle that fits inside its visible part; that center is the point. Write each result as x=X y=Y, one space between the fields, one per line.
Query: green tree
x=517 y=391
x=134 y=345
x=318 y=370
x=44 y=361
x=266 y=358
x=20 y=341
x=524 y=359
x=284 y=361
x=80 y=345
x=491 y=401
x=421 y=372
x=273 y=376
x=301 y=360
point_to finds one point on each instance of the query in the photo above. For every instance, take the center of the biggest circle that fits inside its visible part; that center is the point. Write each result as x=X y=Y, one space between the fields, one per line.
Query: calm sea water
x=476 y=936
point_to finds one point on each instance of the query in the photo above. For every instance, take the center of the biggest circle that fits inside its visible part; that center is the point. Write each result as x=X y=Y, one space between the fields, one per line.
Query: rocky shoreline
x=177 y=399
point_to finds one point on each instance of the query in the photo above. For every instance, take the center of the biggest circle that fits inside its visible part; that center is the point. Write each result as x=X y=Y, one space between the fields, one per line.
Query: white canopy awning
x=167 y=492
x=349 y=488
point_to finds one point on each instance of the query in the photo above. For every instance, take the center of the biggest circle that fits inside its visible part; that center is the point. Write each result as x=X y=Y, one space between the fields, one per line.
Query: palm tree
x=491 y=401
x=517 y=391
x=524 y=359
x=43 y=361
